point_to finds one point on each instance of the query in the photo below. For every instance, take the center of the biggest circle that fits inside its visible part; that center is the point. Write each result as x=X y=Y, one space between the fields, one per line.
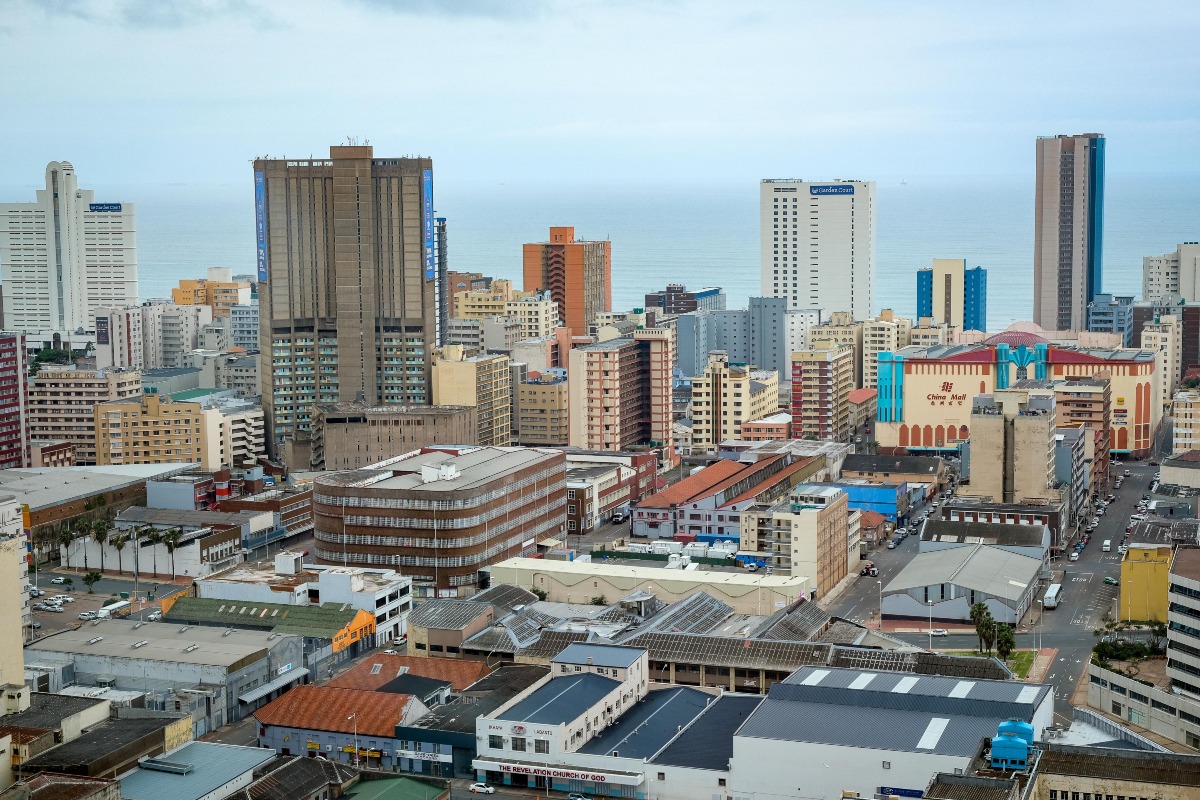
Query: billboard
x=101 y=330
x=841 y=188
x=427 y=223
x=260 y=222
x=104 y=206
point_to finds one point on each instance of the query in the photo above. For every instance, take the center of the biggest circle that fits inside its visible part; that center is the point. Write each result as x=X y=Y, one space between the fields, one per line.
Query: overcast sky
x=168 y=91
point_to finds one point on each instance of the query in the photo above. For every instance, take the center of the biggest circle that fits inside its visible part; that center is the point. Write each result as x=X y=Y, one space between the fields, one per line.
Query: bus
x=121 y=608
x=1053 y=596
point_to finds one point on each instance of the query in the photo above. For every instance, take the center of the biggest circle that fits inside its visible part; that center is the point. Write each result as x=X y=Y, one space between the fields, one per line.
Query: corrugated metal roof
x=214 y=765
x=561 y=700
x=990 y=570
x=447 y=614
x=708 y=742
x=645 y=728
x=600 y=655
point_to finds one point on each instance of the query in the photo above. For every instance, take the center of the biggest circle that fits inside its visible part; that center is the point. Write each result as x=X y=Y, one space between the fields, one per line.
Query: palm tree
x=100 y=536
x=979 y=612
x=154 y=537
x=119 y=541
x=66 y=538
x=171 y=541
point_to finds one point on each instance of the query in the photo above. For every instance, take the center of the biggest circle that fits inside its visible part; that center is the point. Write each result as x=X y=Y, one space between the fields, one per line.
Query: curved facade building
x=439 y=516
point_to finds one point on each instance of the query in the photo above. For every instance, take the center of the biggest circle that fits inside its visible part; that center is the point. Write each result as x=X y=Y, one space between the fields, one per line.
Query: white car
x=86 y=615
x=1074 y=557
x=63 y=598
x=482 y=788
x=939 y=632
x=58 y=580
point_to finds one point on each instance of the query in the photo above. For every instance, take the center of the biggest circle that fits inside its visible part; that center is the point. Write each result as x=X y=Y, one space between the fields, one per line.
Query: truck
x=121 y=608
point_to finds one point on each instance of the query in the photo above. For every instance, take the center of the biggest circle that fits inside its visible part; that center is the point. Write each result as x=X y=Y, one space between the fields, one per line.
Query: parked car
x=35 y=592
x=578 y=796
x=59 y=579
x=1074 y=556
x=63 y=598
x=55 y=609
x=892 y=545
x=39 y=606
x=869 y=571
x=86 y=615
x=1112 y=581
x=482 y=788
x=154 y=616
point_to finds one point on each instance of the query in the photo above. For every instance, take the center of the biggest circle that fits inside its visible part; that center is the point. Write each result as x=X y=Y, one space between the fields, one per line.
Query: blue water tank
x=1009 y=750
x=1018 y=728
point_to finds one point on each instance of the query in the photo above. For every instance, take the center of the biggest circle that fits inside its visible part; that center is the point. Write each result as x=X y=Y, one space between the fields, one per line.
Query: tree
x=599 y=600
x=49 y=355
x=1006 y=642
x=171 y=541
x=990 y=628
x=90 y=579
x=65 y=538
x=979 y=611
x=119 y=541
x=1157 y=633
x=100 y=536
x=154 y=536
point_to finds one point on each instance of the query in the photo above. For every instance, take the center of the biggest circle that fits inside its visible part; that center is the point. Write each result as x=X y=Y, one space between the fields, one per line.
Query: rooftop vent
x=95 y=639
x=161 y=765
x=142 y=643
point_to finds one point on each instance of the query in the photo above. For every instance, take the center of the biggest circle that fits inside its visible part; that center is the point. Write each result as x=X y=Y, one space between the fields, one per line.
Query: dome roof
x=1019 y=333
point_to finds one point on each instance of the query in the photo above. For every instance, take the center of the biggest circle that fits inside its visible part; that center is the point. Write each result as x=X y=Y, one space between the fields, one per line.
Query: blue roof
x=708 y=743
x=600 y=655
x=561 y=700
x=644 y=729
x=213 y=766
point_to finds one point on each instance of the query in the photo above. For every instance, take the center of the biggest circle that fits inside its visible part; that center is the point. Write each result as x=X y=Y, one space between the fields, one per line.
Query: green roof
x=194 y=394
x=394 y=789
x=315 y=622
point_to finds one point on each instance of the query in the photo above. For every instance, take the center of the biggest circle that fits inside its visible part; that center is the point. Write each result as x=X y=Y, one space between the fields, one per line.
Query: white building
x=155 y=335
x=243 y=326
x=818 y=243
x=63 y=255
x=383 y=592
x=1173 y=274
x=1185 y=413
x=10 y=529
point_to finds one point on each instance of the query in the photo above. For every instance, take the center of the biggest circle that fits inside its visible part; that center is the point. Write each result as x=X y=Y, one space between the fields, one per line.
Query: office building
x=14 y=401
x=765 y=333
x=821 y=384
x=577 y=273
x=62 y=402
x=542 y=410
x=1171 y=276
x=676 y=299
x=345 y=317
x=884 y=334
x=354 y=435
x=818 y=243
x=620 y=393
x=464 y=510
x=807 y=533
x=1068 y=229
x=950 y=294
x=727 y=395
x=219 y=291
x=243 y=327
x=1012 y=447
x=1108 y=313
x=481 y=381
x=63 y=255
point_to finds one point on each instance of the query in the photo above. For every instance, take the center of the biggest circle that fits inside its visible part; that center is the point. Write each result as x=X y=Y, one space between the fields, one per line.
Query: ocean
x=700 y=234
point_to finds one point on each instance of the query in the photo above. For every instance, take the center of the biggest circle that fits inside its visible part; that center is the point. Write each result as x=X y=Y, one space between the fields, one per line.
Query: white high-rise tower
x=818 y=244
x=63 y=255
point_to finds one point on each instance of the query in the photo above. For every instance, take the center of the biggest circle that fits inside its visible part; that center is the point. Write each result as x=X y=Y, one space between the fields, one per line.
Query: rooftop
x=476 y=468
x=374 y=580
x=781 y=418
x=905 y=465
x=164 y=642
x=446 y=614
x=397 y=788
x=992 y=533
x=693 y=487
x=649 y=724
x=990 y=570
x=329 y=708
x=188 y=520
x=862 y=395
x=55 y=786
x=970 y=787
x=670 y=580
x=378 y=669
x=213 y=765
x=482 y=698
x=505 y=598
x=46 y=487
x=561 y=699
x=1186 y=563
x=1189 y=459
x=388 y=410
x=295 y=776
x=47 y=711
x=1121 y=765
x=315 y=622
x=707 y=743
x=101 y=740
x=600 y=655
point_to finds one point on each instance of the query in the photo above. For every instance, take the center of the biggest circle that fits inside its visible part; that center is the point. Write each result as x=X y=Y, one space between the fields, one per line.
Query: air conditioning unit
x=328 y=747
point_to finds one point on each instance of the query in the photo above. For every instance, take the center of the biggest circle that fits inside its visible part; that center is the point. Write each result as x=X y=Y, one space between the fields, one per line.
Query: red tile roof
x=872 y=519
x=862 y=395
x=693 y=487
x=325 y=708
x=458 y=673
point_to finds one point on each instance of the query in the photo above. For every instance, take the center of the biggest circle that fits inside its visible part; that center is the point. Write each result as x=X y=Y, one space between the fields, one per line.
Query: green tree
x=90 y=579
x=599 y=600
x=155 y=536
x=171 y=541
x=989 y=630
x=118 y=542
x=979 y=611
x=100 y=531
x=1006 y=642
x=49 y=355
x=66 y=537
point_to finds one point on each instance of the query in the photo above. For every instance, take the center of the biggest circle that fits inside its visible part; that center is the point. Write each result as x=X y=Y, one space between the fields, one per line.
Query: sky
x=633 y=91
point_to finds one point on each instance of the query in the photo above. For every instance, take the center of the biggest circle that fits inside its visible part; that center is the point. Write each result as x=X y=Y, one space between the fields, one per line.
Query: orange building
x=578 y=275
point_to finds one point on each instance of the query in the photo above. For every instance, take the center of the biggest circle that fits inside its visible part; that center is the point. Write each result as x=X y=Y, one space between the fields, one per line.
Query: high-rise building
x=884 y=334
x=1012 y=447
x=818 y=243
x=480 y=380
x=243 y=326
x=14 y=401
x=841 y=330
x=765 y=333
x=64 y=254
x=1108 y=313
x=950 y=294
x=62 y=402
x=577 y=273
x=727 y=395
x=1185 y=414
x=155 y=335
x=347 y=271
x=620 y=393
x=1068 y=229
x=543 y=410
x=1174 y=275
x=1165 y=337
x=1086 y=402
x=821 y=384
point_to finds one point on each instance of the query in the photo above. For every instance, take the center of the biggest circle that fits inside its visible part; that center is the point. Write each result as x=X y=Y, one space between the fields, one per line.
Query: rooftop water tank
x=1018 y=728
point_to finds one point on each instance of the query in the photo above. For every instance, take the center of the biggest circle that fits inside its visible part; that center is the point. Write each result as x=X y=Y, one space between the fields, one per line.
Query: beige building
x=1172 y=275
x=807 y=534
x=1012 y=447
x=62 y=402
x=1185 y=412
x=1165 y=337
x=620 y=393
x=1087 y=403
x=1066 y=772
x=484 y=303
x=886 y=333
x=821 y=384
x=840 y=331
x=348 y=436
x=482 y=381
x=536 y=313
x=930 y=334
x=543 y=411
x=219 y=291
x=726 y=396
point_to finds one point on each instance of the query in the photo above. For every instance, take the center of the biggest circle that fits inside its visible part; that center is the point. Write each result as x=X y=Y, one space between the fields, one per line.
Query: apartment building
x=676 y=299
x=1173 y=275
x=239 y=373
x=821 y=384
x=950 y=294
x=441 y=516
x=620 y=393
x=840 y=331
x=353 y=435
x=543 y=410
x=154 y=335
x=1164 y=336
x=491 y=301
x=1185 y=413
x=1086 y=403
x=884 y=334
x=537 y=315
x=481 y=381
x=1012 y=447
x=806 y=535
x=930 y=334
x=14 y=401
x=1108 y=313
x=62 y=402
x=576 y=272
x=765 y=333
x=219 y=291
x=727 y=395
x=243 y=327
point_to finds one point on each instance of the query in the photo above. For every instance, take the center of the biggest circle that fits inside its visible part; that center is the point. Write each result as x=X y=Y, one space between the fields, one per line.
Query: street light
x=354 y=717
x=929 y=605
x=880 y=605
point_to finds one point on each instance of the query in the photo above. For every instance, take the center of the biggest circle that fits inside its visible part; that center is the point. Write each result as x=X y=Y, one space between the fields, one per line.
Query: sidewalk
x=1041 y=664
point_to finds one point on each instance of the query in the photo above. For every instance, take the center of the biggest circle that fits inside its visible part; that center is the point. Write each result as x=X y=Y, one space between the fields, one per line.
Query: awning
x=291 y=676
x=551 y=543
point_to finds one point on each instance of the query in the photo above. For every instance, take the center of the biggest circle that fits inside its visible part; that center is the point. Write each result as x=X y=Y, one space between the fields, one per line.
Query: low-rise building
x=114 y=746
x=1064 y=771
x=896 y=469
x=862 y=407
x=45 y=453
x=355 y=435
x=1182 y=469
x=768 y=428
x=290 y=507
x=807 y=534
x=300 y=777
x=195 y=771
x=1145 y=578
x=942 y=585
x=543 y=410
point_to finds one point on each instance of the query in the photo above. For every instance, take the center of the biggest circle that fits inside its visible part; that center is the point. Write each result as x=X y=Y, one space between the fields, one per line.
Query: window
x=720 y=781
x=541 y=745
x=887 y=765
x=662 y=776
x=518 y=744
x=496 y=742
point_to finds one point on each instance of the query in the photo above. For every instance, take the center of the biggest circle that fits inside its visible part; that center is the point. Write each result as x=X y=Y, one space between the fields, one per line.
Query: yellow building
x=884 y=334
x=219 y=291
x=1144 y=571
x=150 y=429
x=482 y=381
x=491 y=302
x=807 y=534
x=727 y=395
x=841 y=331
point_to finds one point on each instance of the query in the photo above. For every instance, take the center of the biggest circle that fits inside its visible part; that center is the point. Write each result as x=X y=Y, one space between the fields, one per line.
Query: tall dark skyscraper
x=1068 y=229
x=347 y=270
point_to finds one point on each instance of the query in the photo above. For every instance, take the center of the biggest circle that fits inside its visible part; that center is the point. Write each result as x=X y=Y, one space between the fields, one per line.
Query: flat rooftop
x=374 y=580
x=482 y=698
x=600 y=655
x=478 y=467
x=213 y=765
x=707 y=743
x=46 y=487
x=1187 y=563
x=164 y=642
x=561 y=700
x=647 y=726
x=739 y=581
